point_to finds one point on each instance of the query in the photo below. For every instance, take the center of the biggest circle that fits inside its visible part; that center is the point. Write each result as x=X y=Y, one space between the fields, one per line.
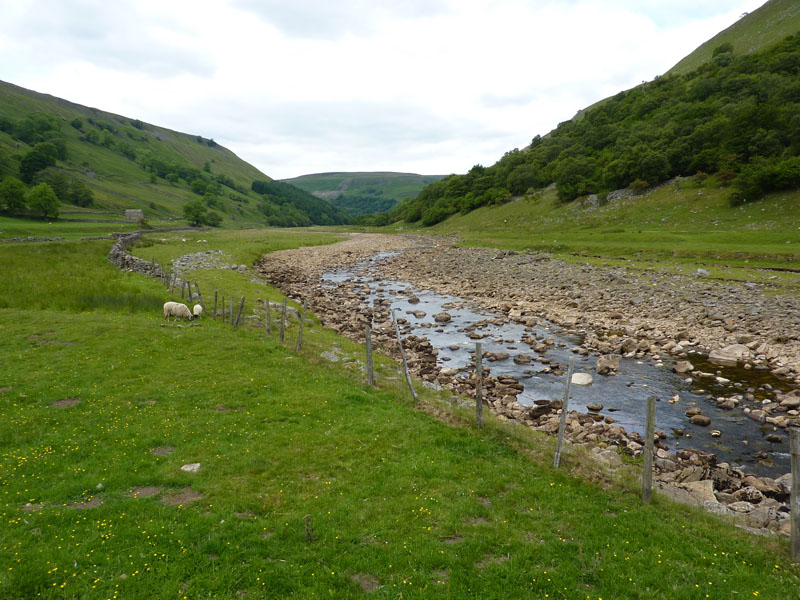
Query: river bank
x=614 y=312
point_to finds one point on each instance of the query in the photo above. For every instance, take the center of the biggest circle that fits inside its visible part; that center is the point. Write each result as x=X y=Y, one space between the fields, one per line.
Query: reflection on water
x=623 y=396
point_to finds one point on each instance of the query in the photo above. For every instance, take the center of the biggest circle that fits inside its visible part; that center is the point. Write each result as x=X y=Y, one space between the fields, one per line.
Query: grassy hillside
x=130 y=164
x=753 y=32
x=736 y=117
x=311 y=484
x=677 y=227
x=363 y=193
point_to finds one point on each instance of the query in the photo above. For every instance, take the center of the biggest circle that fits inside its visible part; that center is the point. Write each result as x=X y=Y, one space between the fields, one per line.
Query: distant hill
x=753 y=32
x=363 y=193
x=125 y=163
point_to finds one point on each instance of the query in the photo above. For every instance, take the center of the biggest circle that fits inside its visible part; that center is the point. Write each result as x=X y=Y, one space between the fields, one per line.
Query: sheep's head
x=191 y=317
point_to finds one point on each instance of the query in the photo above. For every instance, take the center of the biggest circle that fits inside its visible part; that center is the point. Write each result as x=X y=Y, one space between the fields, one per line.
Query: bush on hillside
x=12 y=195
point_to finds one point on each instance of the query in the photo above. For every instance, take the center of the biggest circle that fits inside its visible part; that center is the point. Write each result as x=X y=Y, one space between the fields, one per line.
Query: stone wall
x=120 y=257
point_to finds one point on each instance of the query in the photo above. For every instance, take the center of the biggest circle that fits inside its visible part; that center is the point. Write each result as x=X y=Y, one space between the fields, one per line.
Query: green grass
x=674 y=227
x=311 y=481
x=18 y=227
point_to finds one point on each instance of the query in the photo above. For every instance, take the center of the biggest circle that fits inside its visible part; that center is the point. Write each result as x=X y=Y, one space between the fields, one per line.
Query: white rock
x=191 y=467
x=581 y=379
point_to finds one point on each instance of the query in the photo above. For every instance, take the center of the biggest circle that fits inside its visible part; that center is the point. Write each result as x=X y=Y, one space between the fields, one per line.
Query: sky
x=308 y=86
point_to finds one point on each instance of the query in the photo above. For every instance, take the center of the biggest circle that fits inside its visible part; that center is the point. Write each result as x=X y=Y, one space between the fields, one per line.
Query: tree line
x=736 y=118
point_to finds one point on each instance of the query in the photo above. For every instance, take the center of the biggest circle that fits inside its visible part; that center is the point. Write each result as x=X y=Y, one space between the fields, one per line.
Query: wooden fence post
x=283 y=319
x=794 y=498
x=174 y=279
x=479 y=384
x=647 y=474
x=231 y=315
x=239 y=314
x=300 y=332
x=370 y=371
x=203 y=304
x=183 y=286
x=268 y=309
x=564 y=407
x=403 y=356
x=223 y=308
x=215 y=304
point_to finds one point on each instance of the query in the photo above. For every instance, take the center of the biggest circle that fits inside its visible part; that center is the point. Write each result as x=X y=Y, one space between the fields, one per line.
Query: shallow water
x=623 y=396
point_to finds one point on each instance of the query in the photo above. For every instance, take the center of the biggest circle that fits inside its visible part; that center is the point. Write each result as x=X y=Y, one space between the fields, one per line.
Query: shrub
x=12 y=195
x=43 y=201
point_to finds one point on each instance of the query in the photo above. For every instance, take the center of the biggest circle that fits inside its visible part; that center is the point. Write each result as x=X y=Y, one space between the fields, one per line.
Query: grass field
x=677 y=227
x=311 y=484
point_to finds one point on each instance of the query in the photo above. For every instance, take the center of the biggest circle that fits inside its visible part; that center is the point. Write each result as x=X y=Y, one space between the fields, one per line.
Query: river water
x=623 y=396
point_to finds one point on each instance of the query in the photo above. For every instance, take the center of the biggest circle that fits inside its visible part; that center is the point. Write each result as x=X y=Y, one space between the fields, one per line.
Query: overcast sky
x=306 y=86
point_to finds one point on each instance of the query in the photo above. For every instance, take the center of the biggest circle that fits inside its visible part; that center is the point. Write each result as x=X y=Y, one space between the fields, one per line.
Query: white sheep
x=197 y=311
x=177 y=310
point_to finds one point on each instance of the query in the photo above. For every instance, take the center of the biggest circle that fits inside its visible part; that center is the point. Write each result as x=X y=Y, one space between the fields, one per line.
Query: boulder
x=701 y=491
x=682 y=366
x=442 y=317
x=701 y=420
x=594 y=407
x=749 y=494
x=607 y=365
x=582 y=379
x=729 y=356
x=523 y=359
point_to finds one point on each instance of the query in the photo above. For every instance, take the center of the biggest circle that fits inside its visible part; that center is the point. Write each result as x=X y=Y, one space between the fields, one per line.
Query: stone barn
x=134 y=214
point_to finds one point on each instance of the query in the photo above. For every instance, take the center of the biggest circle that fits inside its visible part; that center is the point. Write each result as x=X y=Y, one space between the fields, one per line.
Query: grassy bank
x=677 y=227
x=311 y=484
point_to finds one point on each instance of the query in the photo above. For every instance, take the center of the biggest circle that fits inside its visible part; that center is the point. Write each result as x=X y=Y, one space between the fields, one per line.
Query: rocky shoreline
x=618 y=313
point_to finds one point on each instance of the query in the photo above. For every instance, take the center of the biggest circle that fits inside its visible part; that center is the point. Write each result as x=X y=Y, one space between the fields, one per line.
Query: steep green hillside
x=363 y=193
x=736 y=117
x=125 y=163
x=753 y=32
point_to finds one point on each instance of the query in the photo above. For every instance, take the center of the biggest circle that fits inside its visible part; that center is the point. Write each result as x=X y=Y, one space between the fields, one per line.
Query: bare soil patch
x=146 y=491
x=368 y=583
x=185 y=496
x=92 y=503
x=65 y=403
x=162 y=450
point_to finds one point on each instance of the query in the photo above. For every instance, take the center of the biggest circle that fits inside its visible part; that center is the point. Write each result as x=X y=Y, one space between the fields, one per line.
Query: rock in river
x=581 y=379
x=729 y=356
x=607 y=365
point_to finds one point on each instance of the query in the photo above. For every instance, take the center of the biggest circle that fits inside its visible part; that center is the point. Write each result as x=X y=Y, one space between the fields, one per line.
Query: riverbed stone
x=701 y=420
x=729 y=356
x=682 y=366
x=582 y=379
x=749 y=494
x=607 y=365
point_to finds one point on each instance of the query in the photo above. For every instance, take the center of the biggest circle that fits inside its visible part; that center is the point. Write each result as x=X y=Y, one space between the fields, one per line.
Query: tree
x=195 y=212
x=214 y=219
x=12 y=195
x=43 y=155
x=80 y=194
x=43 y=201
x=198 y=187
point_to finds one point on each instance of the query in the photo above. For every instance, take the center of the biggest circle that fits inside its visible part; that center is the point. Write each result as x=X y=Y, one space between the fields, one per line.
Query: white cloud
x=312 y=85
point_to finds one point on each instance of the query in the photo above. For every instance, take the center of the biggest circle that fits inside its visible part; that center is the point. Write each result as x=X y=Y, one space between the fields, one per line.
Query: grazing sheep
x=177 y=310
x=197 y=311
